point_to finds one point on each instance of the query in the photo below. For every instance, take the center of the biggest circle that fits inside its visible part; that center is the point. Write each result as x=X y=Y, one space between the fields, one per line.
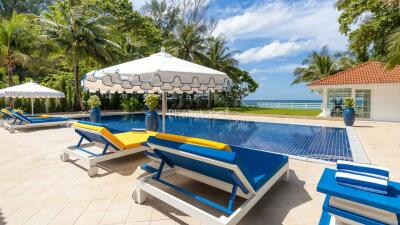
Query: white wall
x=385 y=103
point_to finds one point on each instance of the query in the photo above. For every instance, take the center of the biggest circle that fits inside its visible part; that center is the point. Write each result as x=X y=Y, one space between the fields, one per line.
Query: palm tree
x=12 y=49
x=219 y=57
x=393 y=57
x=132 y=49
x=189 y=42
x=82 y=35
x=319 y=65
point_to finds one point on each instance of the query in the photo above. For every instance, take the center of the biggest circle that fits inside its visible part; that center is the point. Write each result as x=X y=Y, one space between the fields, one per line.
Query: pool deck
x=37 y=188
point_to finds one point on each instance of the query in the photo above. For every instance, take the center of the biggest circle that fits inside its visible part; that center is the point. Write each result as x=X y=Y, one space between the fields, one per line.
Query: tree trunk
x=209 y=102
x=182 y=101
x=10 y=81
x=78 y=100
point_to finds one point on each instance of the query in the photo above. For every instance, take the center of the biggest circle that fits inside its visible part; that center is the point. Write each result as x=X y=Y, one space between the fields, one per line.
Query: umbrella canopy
x=160 y=72
x=30 y=90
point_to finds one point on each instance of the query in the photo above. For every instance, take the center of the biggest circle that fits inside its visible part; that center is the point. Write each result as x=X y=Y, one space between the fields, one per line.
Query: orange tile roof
x=366 y=73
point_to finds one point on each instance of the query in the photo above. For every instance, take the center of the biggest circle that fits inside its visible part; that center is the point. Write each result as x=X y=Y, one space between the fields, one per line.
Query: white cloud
x=269 y=51
x=311 y=21
x=286 y=68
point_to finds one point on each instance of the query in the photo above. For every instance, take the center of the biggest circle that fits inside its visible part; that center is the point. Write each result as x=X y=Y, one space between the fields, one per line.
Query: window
x=335 y=100
x=363 y=103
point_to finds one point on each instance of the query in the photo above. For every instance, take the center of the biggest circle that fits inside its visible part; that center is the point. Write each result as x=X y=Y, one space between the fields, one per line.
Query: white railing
x=197 y=113
x=285 y=105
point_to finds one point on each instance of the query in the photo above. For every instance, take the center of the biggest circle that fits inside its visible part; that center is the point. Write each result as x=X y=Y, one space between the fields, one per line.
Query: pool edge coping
x=357 y=150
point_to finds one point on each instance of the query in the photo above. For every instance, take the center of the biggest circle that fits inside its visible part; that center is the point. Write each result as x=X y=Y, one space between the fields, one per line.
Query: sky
x=273 y=37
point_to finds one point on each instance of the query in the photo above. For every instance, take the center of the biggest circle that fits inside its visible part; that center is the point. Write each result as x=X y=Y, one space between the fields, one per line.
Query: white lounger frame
x=12 y=127
x=95 y=147
x=144 y=188
x=360 y=209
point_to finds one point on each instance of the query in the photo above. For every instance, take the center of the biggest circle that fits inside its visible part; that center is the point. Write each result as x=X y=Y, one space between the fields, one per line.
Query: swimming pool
x=316 y=142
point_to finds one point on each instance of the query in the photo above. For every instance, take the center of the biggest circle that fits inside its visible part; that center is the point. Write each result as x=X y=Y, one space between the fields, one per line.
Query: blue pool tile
x=316 y=142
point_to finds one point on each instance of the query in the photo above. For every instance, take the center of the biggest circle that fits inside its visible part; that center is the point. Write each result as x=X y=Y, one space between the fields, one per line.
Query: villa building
x=375 y=89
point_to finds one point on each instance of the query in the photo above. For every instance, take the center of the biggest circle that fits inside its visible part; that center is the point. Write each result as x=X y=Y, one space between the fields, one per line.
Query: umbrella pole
x=32 y=104
x=164 y=109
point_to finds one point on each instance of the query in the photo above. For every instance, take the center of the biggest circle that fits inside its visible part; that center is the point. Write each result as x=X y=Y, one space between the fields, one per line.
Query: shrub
x=349 y=102
x=151 y=101
x=94 y=101
x=131 y=104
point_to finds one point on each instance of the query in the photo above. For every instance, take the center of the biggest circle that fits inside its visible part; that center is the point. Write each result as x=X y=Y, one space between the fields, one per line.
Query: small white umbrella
x=158 y=73
x=30 y=90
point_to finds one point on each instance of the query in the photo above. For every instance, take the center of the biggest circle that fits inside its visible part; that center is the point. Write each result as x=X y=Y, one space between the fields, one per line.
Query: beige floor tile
x=115 y=217
x=163 y=222
x=90 y=218
x=139 y=213
x=64 y=219
x=138 y=223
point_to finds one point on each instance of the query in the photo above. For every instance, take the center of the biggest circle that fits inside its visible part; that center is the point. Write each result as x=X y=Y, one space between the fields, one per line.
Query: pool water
x=316 y=142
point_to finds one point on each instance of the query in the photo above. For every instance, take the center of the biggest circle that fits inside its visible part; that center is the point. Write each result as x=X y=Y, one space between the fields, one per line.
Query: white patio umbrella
x=30 y=90
x=158 y=73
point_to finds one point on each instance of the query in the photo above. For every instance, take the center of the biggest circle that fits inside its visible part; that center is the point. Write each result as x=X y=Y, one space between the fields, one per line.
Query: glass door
x=336 y=100
x=363 y=103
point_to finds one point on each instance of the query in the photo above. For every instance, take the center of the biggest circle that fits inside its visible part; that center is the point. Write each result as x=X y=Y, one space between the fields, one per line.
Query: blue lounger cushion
x=361 y=182
x=38 y=120
x=257 y=166
x=363 y=169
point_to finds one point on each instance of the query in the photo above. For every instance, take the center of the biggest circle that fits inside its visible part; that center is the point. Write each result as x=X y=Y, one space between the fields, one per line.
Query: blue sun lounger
x=101 y=144
x=248 y=173
x=21 y=122
x=346 y=205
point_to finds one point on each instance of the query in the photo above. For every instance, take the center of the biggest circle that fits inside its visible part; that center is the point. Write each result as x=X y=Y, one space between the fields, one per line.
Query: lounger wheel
x=64 y=157
x=92 y=171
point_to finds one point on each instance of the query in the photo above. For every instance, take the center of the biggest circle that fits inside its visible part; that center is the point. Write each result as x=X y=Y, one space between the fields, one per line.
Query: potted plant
x=151 y=118
x=349 y=115
x=94 y=103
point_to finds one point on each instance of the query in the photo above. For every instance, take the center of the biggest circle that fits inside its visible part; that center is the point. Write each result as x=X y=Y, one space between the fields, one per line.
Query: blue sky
x=273 y=37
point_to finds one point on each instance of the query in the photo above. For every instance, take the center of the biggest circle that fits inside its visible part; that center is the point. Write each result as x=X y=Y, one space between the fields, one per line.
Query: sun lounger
x=7 y=114
x=248 y=173
x=22 y=122
x=103 y=145
x=347 y=205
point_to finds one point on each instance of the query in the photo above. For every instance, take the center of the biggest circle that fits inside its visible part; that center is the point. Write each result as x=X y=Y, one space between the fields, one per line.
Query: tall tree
x=7 y=7
x=368 y=23
x=82 y=34
x=321 y=64
x=14 y=46
x=165 y=16
x=218 y=55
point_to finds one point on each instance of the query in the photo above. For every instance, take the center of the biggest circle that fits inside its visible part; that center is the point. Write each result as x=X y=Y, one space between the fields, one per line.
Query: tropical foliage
x=321 y=64
x=151 y=101
x=56 y=42
x=373 y=31
x=94 y=101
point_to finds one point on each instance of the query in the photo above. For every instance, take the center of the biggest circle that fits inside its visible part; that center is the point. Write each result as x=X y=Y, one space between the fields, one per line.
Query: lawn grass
x=270 y=111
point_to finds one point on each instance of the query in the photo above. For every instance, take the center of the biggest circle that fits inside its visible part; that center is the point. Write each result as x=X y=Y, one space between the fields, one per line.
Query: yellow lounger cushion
x=194 y=141
x=44 y=116
x=123 y=141
x=6 y=111
x=134 y=139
